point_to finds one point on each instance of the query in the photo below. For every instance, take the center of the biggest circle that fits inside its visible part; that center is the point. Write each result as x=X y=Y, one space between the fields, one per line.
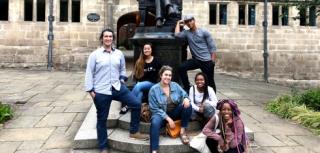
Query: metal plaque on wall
x=93 y=17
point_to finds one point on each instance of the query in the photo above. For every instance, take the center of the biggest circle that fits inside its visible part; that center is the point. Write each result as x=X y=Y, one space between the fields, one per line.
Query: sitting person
x=230 y=137
x=168 y=102
x=203 y=98
x=145 y=72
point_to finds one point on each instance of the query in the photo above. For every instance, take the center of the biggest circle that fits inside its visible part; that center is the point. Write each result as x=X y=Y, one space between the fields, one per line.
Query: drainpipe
x=50 y=35
x=110 y=14
x=265 y=41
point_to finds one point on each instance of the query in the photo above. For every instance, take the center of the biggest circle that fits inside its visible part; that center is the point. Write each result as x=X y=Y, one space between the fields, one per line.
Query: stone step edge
x=87 y=136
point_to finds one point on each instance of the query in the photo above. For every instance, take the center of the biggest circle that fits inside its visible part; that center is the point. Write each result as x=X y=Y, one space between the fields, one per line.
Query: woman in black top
x=145 y=71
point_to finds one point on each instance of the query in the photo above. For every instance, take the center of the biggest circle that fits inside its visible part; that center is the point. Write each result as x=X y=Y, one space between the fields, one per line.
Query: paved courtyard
x=50 y=107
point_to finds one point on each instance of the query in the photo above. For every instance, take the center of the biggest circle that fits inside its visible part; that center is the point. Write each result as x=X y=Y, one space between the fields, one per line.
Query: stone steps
x=119 y=140
x=118 y=134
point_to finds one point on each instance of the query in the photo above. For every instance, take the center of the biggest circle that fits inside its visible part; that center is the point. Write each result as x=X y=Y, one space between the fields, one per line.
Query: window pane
x=4 y=8
x=28 y=4
x=312 y=16
x=41 y=10
x=242 y=10
x=223 y=14
x=64 y=10
x=76 y=11
x=303 y=16
x=213 y=14
x=252 y=15
x=275 y=15
x=285 y=15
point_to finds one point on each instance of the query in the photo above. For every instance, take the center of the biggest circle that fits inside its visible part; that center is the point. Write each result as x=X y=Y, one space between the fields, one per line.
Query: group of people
x=168 y=101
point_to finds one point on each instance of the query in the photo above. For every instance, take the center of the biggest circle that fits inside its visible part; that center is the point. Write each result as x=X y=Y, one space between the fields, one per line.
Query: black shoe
x=124 y=110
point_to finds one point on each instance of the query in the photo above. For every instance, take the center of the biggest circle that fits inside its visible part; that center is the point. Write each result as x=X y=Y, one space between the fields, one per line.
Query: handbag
x=145 y=114
x=175 y=132
x=198 y=142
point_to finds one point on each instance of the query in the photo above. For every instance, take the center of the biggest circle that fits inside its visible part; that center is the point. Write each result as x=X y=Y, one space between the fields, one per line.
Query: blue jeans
x=156 y=123
x=141 y=87
x=103 y=102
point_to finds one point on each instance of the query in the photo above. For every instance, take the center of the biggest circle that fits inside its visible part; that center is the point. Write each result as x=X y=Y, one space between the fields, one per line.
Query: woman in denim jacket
x=168 y=102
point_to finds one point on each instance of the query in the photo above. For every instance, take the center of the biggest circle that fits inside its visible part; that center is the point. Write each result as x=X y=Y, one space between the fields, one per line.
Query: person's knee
x=209 y=110
x=155 y=122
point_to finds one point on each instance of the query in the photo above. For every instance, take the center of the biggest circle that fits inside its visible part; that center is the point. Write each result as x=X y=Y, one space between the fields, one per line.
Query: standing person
x=231 y=138
x=146 y=71
x=203 y=99
x=203 y=50
x=104 y=79
x=168 y=102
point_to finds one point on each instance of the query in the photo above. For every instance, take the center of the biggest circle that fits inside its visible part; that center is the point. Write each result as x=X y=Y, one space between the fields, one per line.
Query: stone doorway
x=126 y=26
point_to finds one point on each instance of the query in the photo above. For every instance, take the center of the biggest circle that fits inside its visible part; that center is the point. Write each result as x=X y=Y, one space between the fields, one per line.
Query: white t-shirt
x=196 y=97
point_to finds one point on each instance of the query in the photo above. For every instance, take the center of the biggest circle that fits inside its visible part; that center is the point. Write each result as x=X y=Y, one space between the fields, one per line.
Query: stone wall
x=24 y=44
x=294 y=51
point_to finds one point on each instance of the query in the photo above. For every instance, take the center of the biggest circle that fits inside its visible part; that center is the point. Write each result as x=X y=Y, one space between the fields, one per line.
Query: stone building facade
x=293 y=45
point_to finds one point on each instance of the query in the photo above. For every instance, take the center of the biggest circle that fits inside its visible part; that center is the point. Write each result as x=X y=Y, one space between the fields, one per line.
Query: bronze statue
x=164 y=10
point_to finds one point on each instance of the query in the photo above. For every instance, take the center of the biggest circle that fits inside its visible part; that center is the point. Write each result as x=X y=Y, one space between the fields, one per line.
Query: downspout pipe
x=50 y=35
x=110 y=14
x=265 y=41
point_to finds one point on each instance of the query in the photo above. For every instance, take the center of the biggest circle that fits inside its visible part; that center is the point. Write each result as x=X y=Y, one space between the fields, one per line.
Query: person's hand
x=201 y=109
x=171 y=123
x=227 y=120
x=92 y=94
x=186 y=102
x=180 y=22
x=224 y=147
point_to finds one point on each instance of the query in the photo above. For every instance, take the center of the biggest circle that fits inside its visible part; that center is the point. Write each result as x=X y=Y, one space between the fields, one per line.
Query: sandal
x=184 y=138
x=124 y=110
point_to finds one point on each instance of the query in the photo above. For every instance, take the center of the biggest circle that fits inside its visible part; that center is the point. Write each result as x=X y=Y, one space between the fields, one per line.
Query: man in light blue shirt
x=104 y=79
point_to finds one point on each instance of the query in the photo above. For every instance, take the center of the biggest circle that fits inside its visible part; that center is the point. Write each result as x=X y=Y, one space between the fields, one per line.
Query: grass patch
x=303 y=108
x=6 y=112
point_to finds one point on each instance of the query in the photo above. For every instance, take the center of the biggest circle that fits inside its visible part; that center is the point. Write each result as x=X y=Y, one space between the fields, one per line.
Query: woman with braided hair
x=230 y=135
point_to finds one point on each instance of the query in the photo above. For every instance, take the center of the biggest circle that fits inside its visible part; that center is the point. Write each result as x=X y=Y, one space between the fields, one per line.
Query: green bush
x=311 y=99
x=5 y=112
x=298 y=107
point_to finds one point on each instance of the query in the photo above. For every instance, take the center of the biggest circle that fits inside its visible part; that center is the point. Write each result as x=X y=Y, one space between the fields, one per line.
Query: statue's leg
x=169 y=8
x=159 y=16
x=143 y=15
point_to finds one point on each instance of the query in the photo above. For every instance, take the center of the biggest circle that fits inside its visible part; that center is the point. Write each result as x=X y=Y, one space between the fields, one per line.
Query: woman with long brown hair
x=145 y=73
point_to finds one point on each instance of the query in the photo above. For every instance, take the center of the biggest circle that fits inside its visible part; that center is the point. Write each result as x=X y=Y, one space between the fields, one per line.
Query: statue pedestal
x=166 y=47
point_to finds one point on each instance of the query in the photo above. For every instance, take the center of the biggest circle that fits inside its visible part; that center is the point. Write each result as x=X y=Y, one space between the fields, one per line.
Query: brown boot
x=139 y=136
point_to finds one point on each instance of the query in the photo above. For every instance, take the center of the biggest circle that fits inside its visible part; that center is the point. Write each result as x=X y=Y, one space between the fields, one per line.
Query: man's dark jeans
x=103 y=102
x=206 y=67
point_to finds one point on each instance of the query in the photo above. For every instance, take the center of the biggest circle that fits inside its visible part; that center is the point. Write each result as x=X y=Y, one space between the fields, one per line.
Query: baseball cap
x=188 y=17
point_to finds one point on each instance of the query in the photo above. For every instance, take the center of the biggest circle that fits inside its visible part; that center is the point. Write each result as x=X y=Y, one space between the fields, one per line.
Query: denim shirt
x=158 y=99
x=105 y=70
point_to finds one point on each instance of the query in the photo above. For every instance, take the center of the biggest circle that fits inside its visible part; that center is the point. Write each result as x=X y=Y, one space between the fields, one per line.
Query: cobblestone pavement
x=50 y=107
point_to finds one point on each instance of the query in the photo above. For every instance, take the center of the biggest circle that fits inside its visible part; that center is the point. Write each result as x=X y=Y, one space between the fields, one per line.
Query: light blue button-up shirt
x=158 y=99
x=105 y=70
